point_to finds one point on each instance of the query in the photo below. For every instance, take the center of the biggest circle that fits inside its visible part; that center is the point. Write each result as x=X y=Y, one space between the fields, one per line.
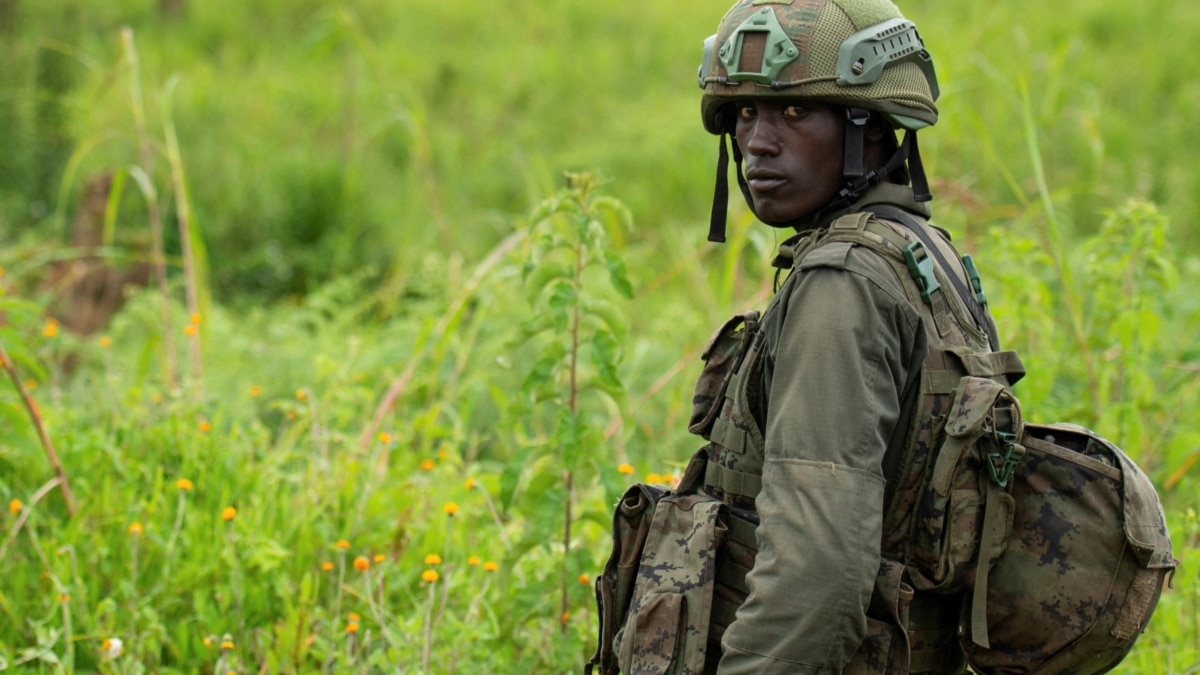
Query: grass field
x=350 y=433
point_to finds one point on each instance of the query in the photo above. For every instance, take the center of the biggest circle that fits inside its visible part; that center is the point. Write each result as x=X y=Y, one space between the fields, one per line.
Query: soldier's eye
x=795 y=111
x=746 y=112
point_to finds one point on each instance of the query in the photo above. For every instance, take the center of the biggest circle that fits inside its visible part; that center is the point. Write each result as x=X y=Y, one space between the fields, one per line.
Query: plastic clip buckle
x=922 y=270
x=976 y=282
x=1002 y=465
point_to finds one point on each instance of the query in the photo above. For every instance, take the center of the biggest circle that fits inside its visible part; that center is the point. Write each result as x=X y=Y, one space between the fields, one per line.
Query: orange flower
x=184 y=484
x=194 y=319
x=427 y=464
x=64 y=597
x=625 y=469
x=385 y=437
x=229 y=513
x=255 y=390
x=668 y=478
x=564 y=617
x=470 y=483
x=352 y=627
x=190 y=330
x=450 y=508
x=473 y=560
x=653 y=478
x=326 y=566
x=205 y=426
x=301 y=395
x=15 y=506
x=354 y=616
x=51 y=328
x=342 y=544
x=227 y=645
x=379 y=558
x=105 y=342
x=361 y=564
x=429 y=576
x=584 y=579
x=490 y=566
x=135 y=528
x=433 y=559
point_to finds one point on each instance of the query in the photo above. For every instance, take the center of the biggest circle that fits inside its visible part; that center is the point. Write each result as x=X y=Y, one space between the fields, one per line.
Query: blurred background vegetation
x=354 y=168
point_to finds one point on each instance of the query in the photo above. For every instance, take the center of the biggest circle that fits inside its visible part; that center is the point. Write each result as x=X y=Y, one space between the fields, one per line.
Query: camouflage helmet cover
x=859 y=53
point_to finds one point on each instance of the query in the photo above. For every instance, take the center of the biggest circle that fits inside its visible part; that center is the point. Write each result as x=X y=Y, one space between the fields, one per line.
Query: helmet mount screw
x=858 y=67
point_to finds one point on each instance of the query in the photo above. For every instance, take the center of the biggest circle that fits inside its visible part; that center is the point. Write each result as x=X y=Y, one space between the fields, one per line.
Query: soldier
x=823 y=411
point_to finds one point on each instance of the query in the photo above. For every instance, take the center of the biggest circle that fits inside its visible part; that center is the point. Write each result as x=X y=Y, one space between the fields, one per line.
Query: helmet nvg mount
x=859 y=54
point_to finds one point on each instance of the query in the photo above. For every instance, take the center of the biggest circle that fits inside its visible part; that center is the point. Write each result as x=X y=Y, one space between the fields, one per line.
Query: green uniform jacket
x=841 y=368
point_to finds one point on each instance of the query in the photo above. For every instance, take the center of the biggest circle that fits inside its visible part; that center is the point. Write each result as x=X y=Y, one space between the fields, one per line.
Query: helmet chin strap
x=857 y=180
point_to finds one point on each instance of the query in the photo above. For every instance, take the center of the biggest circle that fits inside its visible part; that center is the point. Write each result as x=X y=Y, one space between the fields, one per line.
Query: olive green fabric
x=817 y=28
x=844 y=349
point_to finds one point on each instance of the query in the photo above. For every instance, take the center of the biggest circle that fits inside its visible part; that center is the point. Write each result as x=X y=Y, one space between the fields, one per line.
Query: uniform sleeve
x=840 y=366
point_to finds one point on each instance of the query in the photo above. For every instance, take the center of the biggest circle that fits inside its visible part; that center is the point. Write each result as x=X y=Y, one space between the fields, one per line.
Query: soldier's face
x=793 y=155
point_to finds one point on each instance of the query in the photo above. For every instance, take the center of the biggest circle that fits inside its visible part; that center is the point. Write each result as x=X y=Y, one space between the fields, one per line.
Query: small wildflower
x=354 y=616
x=342 y=544
x=229 y=513
x=625 y=469
x=301 y=395
x=352 y=627
x=14 y=507
x=194 y=319
x=64 y=597
x=291 y=415
x=227 y=645
x=470 y=483
x=653 y=478
x=135 y=528
x=184 y=484
x=433 y=559
x=105 y=342
x=443 y=452
x=326 y=566
x=31 y=384
x=490 y=566
x=427 y=464
x=111 y=647
x=51 y=328
x=429 y=576
x=450 y=508
x=255 y=391
x=190 y=330
x=584 y=579
x=385 y=437
x=208 y=641
x=205 y=426
x=564 y=617
x=473 y=560
x=668 y=478
x=361 y=564
x=379 y=558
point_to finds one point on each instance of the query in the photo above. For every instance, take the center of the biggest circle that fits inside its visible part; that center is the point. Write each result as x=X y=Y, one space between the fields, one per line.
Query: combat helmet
x=859 y=54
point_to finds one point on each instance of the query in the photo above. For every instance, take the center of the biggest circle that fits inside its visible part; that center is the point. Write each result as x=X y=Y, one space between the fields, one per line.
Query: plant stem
x=36 y=418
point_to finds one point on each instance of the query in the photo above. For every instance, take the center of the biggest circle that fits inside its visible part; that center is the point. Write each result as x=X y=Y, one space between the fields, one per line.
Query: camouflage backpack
x=1052 y=537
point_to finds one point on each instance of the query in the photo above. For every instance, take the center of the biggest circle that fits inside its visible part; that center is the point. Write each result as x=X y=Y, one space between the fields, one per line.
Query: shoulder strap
x=968 y=298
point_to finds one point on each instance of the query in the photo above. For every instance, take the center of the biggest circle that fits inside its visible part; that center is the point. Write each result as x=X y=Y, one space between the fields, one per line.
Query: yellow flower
x=227 y=645
x=443 y=452
x=473 y=560
x=354 y=616
x=31 y=384
x=653 y=478
x=205 y=426
x=342 y=544
x=470 y=483
x=105 y=342
x=625 y=469
x=255 y=391
x=64 y=597
x=385 y=437
x=14 y=507
x=301 y=395
x=229 y=513
x=429 y=576
x=194 y=319
x=190 y=330
x=361 y=564
x=208 y=641
x=490 y=566
x=668 y=478
x=184 y=484
x=291 y=415
x=584 y=579
x=135 y=528
x=427 y=464
x=450 y=508
x=433 y=559
x=379 y=558
x=352 y=627
x=327 y=566
x=51 y=328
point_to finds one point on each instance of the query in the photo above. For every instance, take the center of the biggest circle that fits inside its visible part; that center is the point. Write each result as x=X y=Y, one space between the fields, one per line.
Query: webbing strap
x=993 y=534
x=732 y=575
x=733 y=482
x=728 y=436
x=968 y=297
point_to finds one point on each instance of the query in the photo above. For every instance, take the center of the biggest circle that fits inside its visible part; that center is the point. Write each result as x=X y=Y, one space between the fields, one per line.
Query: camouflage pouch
x=667 y=627
x=721 y=356
x=965 y=511
x=1085 y=563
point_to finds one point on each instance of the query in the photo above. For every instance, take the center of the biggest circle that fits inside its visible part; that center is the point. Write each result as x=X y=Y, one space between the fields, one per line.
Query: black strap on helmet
x=720 y=205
